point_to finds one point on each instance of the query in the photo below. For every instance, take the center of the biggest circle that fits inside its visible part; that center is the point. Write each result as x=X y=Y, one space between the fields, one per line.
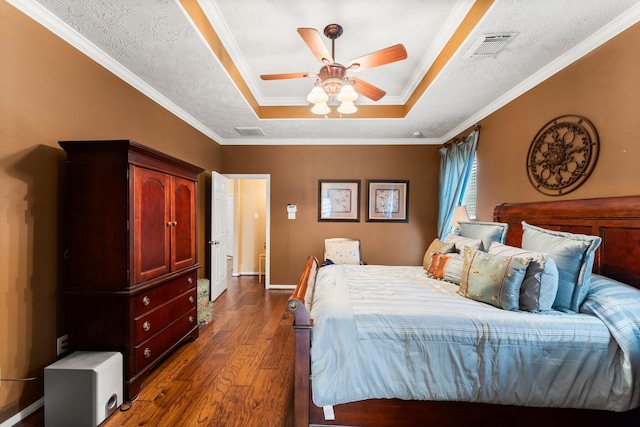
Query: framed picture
x=338 y=200
x=388 y=201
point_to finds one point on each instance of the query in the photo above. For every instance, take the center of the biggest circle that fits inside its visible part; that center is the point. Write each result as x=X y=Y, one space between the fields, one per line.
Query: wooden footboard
x=616 y=220
x=300 y=305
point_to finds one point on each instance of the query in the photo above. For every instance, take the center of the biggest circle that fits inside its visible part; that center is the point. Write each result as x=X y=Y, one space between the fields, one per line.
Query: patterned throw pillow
x=493 y=279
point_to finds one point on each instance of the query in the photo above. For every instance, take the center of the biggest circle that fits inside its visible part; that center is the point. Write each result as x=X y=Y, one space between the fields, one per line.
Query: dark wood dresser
x=130 y=253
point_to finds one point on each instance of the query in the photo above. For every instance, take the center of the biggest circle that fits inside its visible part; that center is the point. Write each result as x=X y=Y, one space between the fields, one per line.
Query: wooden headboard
x=615 y=219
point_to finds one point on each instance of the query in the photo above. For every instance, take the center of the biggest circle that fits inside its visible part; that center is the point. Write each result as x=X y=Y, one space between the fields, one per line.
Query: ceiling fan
x=332 y=81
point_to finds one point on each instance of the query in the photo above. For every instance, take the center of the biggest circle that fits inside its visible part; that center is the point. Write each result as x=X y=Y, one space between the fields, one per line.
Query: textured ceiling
x=165 y=49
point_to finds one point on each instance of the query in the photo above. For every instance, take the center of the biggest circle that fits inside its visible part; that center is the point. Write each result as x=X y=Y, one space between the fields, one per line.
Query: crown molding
x=336 y=141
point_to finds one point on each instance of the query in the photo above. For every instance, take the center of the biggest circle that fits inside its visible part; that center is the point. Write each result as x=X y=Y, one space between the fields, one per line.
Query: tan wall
x=295 y=171
x=49 y=92
x=604 y=87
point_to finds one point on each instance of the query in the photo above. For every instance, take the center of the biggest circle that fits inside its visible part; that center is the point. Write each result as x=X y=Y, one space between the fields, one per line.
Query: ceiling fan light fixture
x=347 y=93
x=321 y=108
x=332 y=81
x=347 y=107
x=332 y=86
x=317 y=95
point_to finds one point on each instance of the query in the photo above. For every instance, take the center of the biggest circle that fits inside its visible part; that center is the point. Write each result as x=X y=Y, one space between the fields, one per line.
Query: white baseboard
x=285 y=287
x=246 y=273
x=24 y=413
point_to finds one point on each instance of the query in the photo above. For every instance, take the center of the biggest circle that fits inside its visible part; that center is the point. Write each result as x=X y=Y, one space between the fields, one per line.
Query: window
x=469 y=199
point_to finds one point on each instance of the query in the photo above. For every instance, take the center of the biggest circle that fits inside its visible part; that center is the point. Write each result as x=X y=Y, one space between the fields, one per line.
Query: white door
x=218 y=235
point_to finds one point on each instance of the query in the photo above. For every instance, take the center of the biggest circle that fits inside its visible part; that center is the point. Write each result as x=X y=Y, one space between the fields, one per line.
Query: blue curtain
x=456 y=163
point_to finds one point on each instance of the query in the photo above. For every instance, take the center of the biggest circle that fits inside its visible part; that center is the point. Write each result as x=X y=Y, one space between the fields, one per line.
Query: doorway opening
x=249 y=218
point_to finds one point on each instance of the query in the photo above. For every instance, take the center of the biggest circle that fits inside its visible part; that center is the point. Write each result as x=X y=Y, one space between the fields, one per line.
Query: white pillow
x=540 y=284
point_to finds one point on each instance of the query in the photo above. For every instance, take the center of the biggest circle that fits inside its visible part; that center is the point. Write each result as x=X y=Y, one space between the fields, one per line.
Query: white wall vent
x=249 y=131
x=489 y=45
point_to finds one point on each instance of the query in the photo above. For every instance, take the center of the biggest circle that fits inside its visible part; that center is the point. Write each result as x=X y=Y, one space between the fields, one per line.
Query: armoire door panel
x=152 y=224
x=184 y=215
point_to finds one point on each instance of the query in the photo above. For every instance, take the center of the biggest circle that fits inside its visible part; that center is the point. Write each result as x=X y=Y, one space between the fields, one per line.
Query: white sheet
x=385 y=332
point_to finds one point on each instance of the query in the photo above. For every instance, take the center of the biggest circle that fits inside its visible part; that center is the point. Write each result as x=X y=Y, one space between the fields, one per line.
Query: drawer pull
x=147 y=353
x=190 y=280
x=146 y=326
x=191 y=299
x=146 y=300
x=190 y=319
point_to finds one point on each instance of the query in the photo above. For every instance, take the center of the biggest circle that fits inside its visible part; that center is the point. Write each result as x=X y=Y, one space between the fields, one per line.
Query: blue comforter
x=392 y=332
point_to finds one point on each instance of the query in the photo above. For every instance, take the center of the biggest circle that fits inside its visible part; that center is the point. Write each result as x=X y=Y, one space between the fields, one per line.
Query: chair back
x=342 y=250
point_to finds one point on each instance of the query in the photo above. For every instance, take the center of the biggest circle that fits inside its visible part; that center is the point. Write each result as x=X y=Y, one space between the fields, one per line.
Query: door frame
x=267 y=250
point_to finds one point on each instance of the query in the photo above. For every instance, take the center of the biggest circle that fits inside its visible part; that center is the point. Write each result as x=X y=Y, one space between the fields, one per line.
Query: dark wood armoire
x=130 y=257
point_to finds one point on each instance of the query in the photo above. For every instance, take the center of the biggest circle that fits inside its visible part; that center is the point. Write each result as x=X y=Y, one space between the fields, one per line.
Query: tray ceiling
x=201 y=59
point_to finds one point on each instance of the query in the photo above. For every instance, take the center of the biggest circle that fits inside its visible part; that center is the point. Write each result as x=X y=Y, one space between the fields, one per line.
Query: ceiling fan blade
x=367 y=89
x=286 y=76
x=381 y=57
x=312 y=38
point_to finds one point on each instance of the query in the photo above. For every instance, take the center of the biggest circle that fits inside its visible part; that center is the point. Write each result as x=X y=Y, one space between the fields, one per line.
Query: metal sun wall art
x=562 y=155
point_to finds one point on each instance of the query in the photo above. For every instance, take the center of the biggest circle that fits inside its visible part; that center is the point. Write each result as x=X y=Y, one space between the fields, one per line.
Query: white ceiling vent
x=249 y=131
x=489 y=45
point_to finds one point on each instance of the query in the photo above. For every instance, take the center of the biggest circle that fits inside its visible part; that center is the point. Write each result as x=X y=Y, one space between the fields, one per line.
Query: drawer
x=154 y=297
x=153 y=321
x=149 y=351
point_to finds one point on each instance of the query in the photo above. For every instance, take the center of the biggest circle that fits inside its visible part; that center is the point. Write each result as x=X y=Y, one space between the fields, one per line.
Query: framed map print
x=388 y=201
x=338 y=200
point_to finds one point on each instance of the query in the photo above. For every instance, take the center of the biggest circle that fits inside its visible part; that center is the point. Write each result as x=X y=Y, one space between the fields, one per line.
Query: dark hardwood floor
x=238 y=373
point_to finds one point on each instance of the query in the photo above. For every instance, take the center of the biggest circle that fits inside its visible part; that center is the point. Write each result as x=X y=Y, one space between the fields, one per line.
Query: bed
x=445 y=397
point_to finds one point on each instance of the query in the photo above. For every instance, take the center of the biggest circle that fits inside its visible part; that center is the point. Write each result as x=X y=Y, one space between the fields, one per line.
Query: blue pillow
x=540 y=284
x=487 y=232
x=573 y=255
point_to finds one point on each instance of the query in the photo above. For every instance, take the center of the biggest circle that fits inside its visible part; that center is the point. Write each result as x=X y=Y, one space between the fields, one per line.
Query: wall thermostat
x=291 y=211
